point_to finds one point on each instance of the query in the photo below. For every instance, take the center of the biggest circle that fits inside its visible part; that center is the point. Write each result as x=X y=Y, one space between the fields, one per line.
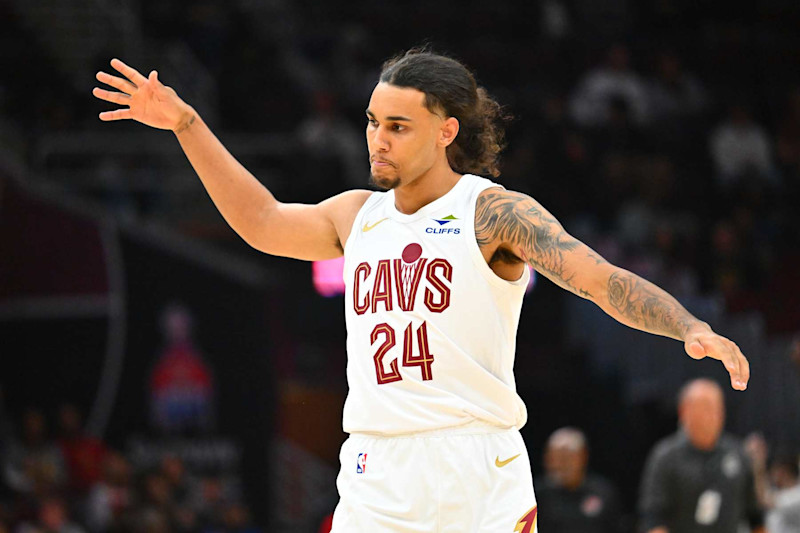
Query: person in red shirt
x=83 y=454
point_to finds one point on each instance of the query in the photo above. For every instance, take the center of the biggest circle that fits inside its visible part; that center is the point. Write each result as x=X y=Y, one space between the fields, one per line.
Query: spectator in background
x=52 y=518
x=756 y=448
x=621 y=132
x=181 y=489
x=34 y=465
x=591 y=102
x=699 y=480
x=83 y=454
x=657 y=238
x=151 y=521
x=181 y=486
x=555 y=17
x=648 y=210
x=210 y=501
x=734 y=269
x=573 y=501
x=741 y=149
x=237 y=519
x=156 y=505
x=784 y=517
x=110 y=498
x=672 y=93
x=159 y=511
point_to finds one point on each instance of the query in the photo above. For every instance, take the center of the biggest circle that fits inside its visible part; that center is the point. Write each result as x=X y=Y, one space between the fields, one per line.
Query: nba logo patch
x=361 y=463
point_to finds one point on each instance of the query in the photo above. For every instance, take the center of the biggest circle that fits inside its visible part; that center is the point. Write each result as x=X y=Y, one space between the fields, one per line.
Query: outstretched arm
x=518 y=224
x=292 y=230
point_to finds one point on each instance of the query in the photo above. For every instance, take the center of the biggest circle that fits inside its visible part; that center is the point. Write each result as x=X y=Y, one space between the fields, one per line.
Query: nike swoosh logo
x=367 y=227
x=500 y=464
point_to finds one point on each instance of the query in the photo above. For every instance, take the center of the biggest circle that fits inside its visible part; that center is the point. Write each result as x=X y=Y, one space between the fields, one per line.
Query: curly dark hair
x=450 y=87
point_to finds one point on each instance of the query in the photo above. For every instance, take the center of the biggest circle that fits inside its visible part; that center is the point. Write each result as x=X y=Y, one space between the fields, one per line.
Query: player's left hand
x=701 y=342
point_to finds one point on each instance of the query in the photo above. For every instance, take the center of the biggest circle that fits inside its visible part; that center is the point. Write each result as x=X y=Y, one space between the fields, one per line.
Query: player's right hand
x=147 y=100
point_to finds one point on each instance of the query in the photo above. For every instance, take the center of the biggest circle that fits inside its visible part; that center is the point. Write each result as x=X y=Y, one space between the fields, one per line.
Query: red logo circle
x=412 y=252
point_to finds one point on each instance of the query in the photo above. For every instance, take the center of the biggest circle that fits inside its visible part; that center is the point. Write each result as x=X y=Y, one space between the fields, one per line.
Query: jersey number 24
x=424 y=360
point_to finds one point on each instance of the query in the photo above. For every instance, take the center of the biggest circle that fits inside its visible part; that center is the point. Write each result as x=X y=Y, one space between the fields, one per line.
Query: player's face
x=401 y=136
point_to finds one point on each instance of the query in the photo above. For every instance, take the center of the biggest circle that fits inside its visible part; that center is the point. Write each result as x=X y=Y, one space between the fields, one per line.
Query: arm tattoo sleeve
x=534 y=235
x=647 y=306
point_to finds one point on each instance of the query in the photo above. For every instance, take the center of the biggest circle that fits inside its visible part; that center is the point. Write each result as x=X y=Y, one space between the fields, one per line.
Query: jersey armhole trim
x=355 y=230
x=475 y=250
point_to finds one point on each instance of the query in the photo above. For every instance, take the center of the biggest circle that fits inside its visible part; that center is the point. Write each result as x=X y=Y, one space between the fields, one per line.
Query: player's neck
x=433 y=184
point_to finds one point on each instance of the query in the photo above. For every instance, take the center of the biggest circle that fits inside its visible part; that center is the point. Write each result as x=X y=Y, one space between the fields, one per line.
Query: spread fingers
x=110 y=96
x=129 y=72
x=117 y=114
x=118 y=83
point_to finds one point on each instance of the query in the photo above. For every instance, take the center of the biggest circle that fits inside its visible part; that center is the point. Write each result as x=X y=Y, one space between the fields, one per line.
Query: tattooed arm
x=515 y=228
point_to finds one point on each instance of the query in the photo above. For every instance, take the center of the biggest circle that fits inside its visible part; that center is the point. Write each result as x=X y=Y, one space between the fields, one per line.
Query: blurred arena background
x=149 y=355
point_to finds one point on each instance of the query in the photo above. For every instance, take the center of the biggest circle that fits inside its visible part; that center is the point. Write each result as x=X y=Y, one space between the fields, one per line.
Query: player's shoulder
x=500 y=207
x=341 y=210
x=495 y=196
x=496 y=191
x=346 y=203
x=353 y=196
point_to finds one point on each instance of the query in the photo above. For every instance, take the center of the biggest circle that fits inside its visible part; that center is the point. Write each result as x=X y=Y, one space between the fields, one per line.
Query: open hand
x=148 y=100
x=703 y=342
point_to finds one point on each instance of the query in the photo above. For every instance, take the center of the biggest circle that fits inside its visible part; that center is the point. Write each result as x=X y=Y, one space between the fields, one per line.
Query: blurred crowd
x=701 y=478
x=72 y=482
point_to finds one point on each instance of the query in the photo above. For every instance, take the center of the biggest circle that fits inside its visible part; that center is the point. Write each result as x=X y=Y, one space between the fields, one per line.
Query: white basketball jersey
x=431 y=329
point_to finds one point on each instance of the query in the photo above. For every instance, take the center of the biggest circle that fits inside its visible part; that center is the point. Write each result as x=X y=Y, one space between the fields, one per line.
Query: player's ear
x=448 y=131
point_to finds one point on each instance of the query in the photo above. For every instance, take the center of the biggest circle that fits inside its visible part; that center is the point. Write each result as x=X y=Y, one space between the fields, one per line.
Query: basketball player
x=435 y=268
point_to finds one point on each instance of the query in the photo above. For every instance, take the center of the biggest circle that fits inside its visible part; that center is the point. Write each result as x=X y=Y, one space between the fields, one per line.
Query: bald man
x=571 y=499
x=699 y=480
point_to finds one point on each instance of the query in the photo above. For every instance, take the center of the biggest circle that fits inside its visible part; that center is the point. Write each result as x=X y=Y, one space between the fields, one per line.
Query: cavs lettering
x=396 y=282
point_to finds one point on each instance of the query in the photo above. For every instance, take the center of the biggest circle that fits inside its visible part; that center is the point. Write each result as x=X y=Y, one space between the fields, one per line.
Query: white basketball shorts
x=464 y=480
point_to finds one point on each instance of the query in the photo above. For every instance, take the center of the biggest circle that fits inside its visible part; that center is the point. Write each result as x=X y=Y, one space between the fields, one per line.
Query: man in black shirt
x=572 y=501
x=699 y=480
